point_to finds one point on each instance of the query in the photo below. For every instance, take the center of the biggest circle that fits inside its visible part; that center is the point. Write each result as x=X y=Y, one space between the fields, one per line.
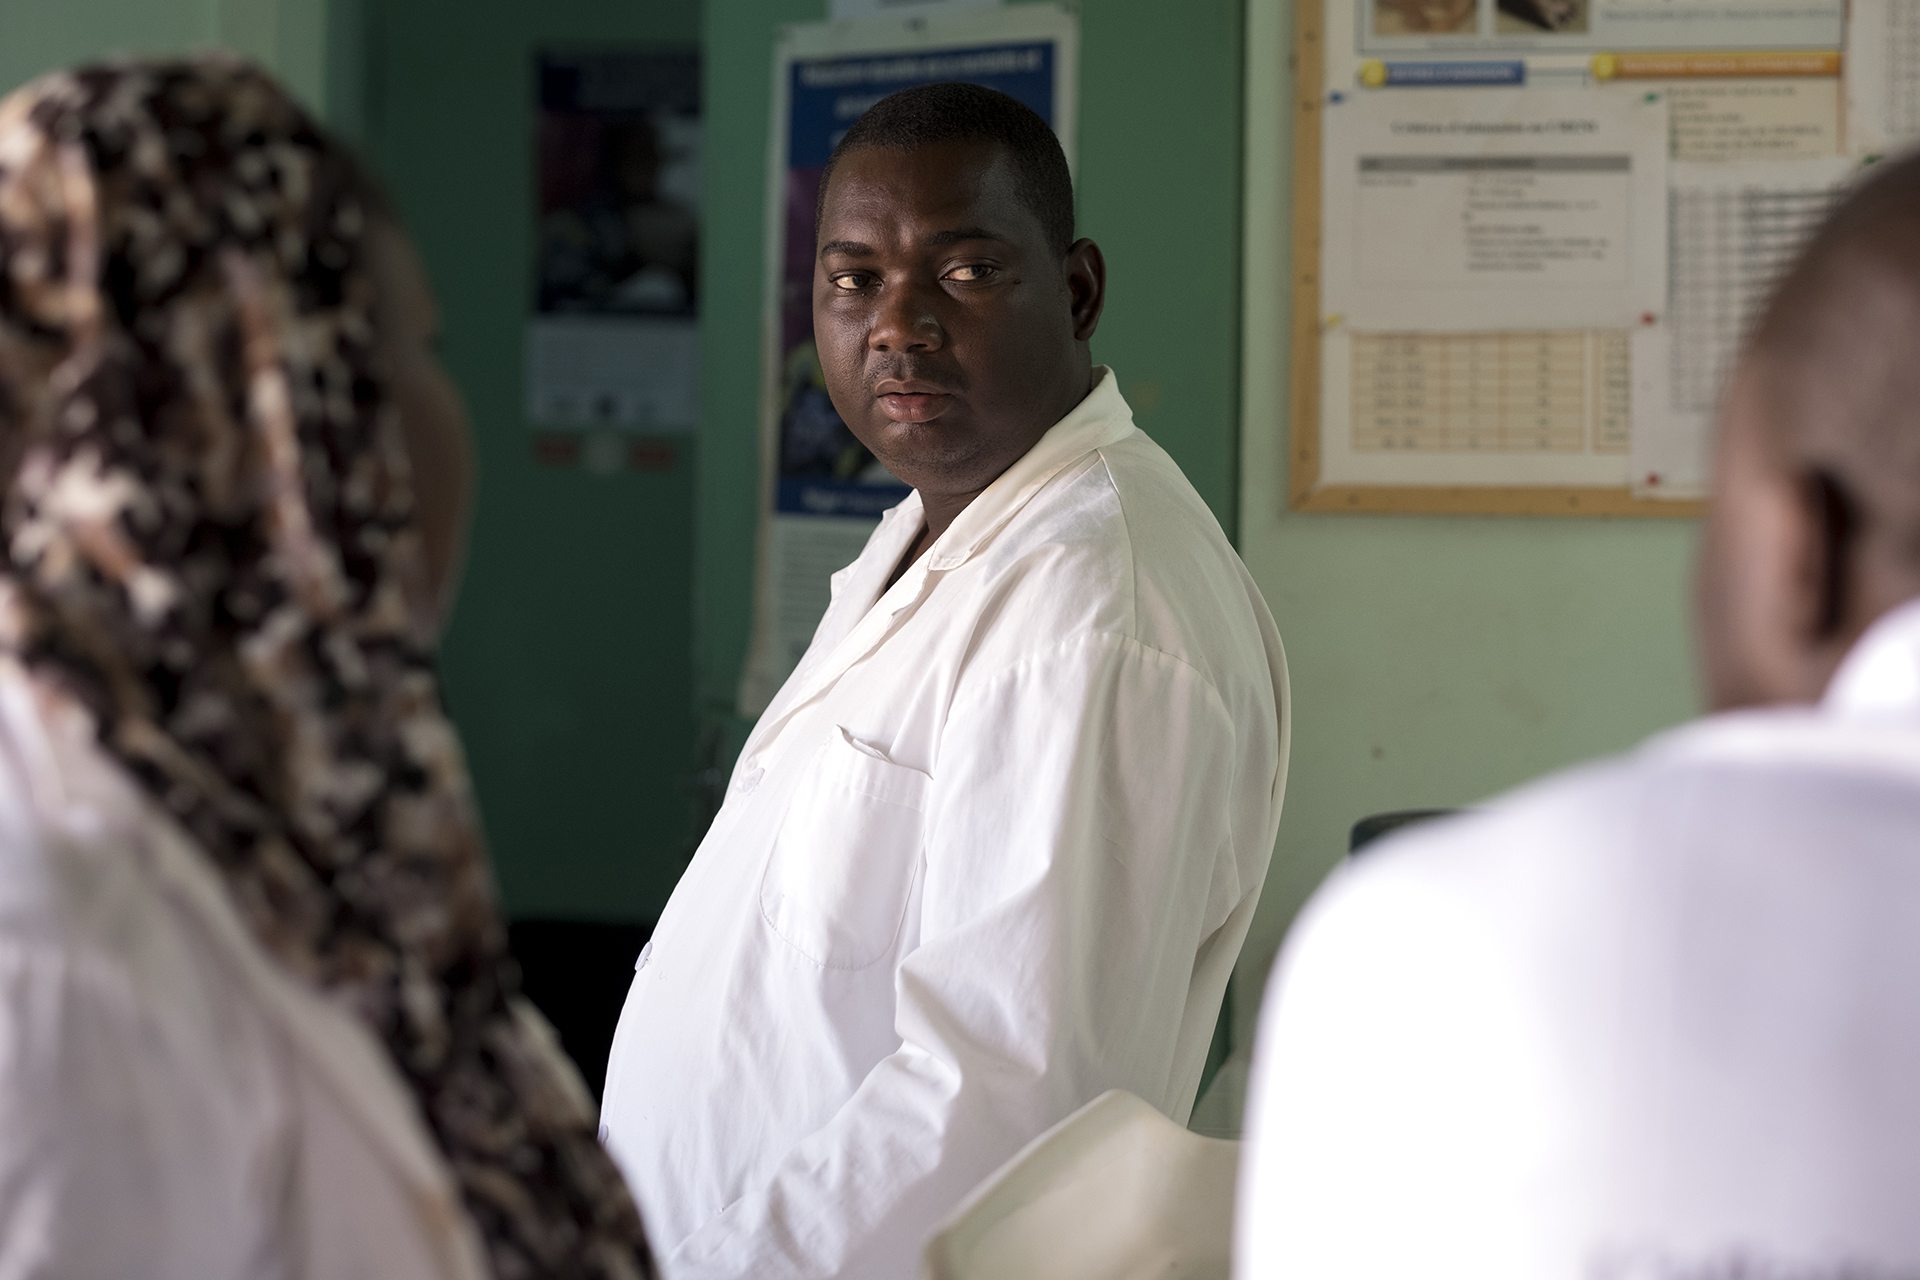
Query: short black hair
x=936 y=113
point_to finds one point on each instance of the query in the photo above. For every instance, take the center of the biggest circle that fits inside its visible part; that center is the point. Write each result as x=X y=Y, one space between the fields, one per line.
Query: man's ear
x=1086 y=271
x=1831 y=516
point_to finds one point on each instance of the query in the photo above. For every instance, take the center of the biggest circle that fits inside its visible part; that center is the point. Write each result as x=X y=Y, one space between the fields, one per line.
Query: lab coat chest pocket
x=843 y=862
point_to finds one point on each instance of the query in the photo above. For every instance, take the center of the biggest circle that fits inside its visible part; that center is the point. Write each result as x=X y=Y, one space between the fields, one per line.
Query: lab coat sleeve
x=1078 y=855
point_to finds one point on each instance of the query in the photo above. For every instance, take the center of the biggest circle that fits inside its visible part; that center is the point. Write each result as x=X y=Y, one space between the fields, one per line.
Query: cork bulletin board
x=1527 y=235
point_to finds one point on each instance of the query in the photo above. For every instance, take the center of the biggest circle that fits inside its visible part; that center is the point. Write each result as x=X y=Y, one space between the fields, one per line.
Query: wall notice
x=614 y=339
x=1493 y=208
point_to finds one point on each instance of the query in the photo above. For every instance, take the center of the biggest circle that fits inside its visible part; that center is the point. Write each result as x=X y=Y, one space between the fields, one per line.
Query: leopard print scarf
x=209 y=540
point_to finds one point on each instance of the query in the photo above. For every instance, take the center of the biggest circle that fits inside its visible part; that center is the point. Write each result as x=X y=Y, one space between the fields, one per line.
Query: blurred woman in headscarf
x=257 y=1014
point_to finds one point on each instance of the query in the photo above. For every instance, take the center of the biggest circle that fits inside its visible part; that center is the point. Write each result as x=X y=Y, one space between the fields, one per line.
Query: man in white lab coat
x=1660 y=1017
x=994 y=847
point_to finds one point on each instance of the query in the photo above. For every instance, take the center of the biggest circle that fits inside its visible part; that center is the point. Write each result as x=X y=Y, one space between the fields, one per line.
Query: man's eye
x=971 y=273
x=849 y=283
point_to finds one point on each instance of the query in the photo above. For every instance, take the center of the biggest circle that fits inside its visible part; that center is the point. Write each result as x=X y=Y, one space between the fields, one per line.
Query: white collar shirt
x=1650 y=1019
x=991 y=851
x=173 y=1104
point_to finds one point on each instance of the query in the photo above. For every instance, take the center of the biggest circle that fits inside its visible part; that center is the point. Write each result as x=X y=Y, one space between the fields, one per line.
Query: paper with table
x=1735 y=228
x=1883 y=75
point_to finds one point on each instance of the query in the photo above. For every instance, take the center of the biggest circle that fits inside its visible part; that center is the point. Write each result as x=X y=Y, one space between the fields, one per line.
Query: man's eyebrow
x=851 y=248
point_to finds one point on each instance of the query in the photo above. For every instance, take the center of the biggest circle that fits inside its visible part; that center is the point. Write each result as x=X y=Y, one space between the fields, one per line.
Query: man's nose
x=907 y=320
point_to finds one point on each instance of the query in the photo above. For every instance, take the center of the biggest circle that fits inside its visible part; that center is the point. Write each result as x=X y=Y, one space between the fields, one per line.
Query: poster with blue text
x=823 y=491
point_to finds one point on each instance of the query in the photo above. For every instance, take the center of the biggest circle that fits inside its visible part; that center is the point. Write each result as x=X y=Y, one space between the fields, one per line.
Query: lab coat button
x=751 y=779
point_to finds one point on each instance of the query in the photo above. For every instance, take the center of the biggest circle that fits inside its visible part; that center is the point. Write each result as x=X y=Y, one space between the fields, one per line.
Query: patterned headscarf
x=209 y=541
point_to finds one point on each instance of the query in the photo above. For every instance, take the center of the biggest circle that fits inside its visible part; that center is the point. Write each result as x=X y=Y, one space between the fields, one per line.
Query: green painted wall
x=1158 y=178
x=40 y=35
x=1435 y=661
x=568 y=661
x=290 y=36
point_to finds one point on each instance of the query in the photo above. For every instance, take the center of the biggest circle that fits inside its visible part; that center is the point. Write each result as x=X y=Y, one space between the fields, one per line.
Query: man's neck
x=940 y=508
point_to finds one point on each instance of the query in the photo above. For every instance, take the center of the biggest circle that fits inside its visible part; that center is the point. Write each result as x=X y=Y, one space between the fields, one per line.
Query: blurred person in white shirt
x=994 y=847
x=1659 y=1017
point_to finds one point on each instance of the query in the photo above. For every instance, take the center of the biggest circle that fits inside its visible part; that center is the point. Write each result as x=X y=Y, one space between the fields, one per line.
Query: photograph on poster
x=1549 y=26
x=1424 y=17
x=613 y=341
x=1525 y=17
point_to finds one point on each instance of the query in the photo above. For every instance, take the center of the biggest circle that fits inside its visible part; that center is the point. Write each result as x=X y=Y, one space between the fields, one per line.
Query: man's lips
x=912 y=400
x=914 y=406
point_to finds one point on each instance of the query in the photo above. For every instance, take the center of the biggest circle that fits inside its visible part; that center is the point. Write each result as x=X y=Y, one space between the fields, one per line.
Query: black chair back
x=1372 y=827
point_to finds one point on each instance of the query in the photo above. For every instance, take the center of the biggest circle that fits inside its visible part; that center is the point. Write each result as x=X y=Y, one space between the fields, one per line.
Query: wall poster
x=821 y=491
x=613 y=343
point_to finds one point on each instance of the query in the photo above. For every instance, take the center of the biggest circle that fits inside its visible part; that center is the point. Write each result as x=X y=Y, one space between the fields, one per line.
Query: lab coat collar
x=1101 y=419
x=1880 y=677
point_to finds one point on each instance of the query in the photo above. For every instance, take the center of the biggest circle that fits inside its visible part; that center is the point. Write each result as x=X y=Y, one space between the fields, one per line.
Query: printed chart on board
x=1533 y=232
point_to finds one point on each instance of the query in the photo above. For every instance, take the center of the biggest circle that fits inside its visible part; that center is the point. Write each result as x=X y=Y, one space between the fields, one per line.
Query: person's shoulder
x=1548 y=871
x=1062 y=563
x=1126 y=515
x=1716 y=800
x=1155 y=508
x=46 y=884
x=1508 y=855
x=79 y=884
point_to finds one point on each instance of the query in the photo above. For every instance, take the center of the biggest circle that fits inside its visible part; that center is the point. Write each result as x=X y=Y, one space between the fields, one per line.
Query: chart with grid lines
x=1510 y=392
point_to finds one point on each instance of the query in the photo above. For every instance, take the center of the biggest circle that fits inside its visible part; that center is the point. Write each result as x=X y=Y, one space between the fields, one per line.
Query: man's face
x=951 y=337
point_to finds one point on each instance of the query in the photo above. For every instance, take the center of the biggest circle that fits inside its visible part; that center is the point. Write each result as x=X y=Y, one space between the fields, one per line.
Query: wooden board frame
x=1304 y=490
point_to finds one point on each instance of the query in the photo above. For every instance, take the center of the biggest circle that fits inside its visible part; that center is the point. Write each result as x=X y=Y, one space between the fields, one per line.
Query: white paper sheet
x=639 y=373
x=1883 y=75
x=1494 y=209
x=802 y=553
x=1735 y=228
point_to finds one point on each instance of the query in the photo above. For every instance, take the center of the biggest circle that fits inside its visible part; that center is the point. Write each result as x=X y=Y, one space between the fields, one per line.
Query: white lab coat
x=990 y=852
x=1650 y=1019
x=173 y=1105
